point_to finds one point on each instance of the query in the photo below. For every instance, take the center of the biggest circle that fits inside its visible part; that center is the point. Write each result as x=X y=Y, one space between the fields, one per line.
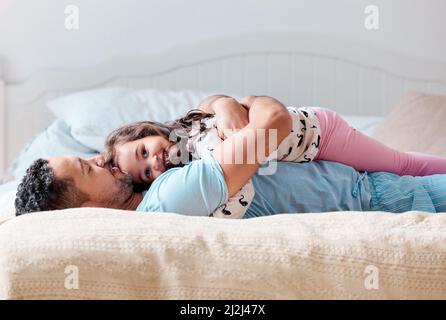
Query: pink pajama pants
x=342 y=143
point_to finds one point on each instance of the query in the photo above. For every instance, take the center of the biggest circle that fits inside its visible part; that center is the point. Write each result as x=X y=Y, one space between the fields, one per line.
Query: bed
x=125 y=255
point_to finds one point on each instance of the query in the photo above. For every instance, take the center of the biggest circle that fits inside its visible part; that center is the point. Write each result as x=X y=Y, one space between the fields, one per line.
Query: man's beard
x=125 y=191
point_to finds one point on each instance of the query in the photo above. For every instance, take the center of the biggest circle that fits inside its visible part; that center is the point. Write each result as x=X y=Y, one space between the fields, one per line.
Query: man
x=319 y=186
x=65 y=182
x=203 y=185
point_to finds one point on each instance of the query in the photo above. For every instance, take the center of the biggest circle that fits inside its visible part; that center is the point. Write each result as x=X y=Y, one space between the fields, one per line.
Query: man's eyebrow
x=79 y=160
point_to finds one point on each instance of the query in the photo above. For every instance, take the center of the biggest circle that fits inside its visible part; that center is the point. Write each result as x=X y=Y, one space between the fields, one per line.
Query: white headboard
x=297 y=69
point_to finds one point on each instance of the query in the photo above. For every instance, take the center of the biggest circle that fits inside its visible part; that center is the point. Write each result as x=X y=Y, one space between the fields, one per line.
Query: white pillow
x=92 y=115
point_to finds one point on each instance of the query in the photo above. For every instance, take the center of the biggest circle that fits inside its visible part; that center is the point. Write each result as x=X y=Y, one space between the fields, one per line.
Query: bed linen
x=126 y=255
x=55 y=140
x=7 y=197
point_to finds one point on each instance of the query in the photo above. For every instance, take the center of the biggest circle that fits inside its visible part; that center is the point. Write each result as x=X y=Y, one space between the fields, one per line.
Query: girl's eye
x=147 y=173
x=145 y=154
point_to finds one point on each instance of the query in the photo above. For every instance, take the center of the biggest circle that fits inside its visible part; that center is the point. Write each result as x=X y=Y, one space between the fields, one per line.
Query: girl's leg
x=342 y=143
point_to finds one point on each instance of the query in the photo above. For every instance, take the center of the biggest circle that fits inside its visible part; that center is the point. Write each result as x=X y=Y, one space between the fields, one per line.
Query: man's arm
x=265 y=113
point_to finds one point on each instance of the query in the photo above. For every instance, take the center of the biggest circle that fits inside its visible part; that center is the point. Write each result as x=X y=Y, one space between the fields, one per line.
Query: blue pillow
x=55 y=140
x=93 y=114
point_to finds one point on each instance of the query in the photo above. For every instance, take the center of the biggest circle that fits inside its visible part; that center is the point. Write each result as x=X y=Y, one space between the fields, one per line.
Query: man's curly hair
x=40 y=190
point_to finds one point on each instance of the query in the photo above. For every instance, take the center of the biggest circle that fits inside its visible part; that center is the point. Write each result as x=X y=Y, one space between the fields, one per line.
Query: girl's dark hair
x=138 y=130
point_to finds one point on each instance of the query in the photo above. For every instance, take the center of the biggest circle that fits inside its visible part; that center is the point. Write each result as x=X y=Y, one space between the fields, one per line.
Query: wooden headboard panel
x=295 y=68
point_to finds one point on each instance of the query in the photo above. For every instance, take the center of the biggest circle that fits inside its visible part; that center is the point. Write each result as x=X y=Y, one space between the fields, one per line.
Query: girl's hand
x=229 y=115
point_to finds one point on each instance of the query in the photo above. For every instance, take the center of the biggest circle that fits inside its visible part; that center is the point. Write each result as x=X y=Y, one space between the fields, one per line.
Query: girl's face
x=145 y=159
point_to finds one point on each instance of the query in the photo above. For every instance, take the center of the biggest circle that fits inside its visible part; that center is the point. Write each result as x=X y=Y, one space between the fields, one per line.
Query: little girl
x=146 y=149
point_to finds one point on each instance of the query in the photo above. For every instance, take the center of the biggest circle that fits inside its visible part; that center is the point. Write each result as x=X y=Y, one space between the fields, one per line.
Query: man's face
x=104 y=188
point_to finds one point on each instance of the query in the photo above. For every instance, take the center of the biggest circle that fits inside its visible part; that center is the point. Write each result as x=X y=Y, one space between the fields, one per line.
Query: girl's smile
x=144 y=159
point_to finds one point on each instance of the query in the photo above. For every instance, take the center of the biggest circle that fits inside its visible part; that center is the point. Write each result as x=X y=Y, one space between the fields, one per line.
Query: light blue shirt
x=319 y=186
x=196 y=189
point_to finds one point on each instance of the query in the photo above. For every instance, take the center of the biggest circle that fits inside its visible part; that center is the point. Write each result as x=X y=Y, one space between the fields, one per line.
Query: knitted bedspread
x=111 y=254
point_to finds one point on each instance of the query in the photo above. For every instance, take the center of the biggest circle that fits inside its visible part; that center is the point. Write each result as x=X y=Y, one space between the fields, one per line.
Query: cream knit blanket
x=111 y=254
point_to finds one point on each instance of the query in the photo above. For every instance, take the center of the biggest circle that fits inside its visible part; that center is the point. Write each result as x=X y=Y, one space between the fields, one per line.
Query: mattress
x=113 y=254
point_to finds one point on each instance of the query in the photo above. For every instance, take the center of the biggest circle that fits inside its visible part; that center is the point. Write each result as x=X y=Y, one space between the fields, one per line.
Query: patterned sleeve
x=202 y=145
x=237 y=205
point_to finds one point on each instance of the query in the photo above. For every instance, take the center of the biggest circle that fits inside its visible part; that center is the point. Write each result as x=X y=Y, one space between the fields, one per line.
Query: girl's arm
x=229 y=114
x=267 y=116
x=207 y=104
x=247 y=101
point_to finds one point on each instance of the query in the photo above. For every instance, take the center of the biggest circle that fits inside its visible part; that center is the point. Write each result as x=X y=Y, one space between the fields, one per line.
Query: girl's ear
x=114 y=170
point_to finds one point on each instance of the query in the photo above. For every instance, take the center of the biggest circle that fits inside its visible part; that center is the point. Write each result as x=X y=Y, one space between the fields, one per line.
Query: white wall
x=32 y=33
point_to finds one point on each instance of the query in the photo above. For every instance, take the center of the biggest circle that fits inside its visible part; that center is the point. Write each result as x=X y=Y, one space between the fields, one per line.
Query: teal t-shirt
x=319 y=186
x=196 y=189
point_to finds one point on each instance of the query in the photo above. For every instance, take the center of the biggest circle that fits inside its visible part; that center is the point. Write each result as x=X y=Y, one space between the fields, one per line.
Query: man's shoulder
x=201 y=180
x=151 y=197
